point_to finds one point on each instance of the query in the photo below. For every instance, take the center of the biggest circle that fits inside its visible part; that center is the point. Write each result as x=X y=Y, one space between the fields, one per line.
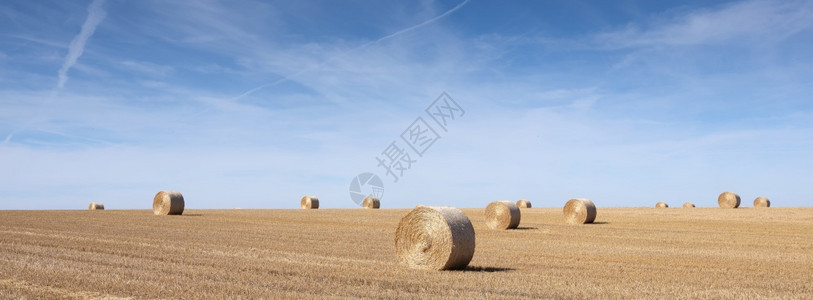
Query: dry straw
x=371 y=202
x=688 y=205
x=580 y=211
x=522 y=203
x=762 y=202
x=309 y=202
x=661 y=205
x=435 y=238
x=502 y=215
x=728 y=200
x=168 y=203
x=96 y=206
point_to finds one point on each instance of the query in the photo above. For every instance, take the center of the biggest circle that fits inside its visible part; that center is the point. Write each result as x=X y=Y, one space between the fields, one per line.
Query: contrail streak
x=75 y=49
x=77 y=46
x=397 y=33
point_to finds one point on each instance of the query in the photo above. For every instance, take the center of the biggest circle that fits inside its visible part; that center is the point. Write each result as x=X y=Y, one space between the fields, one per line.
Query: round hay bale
x=661 y=205
x=728 y=200
x=762 y=202
x=309 y=202
x=502 y=215
x=96 y=206
x=168 y=203
x=522 y=203
x=580 y=211
x=371 y=202
x=688 y=205
x=435 y=238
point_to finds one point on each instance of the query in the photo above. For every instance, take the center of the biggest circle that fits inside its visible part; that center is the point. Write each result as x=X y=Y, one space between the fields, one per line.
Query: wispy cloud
x=546 y=118
x=749 y=21
x=95 y=16
x=340 y=55
x=424 y=23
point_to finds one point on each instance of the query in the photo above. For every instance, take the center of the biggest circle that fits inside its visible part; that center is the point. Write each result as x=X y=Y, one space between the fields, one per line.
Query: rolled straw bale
x=96 y=206
x=762 y=202
x=728 y=200
x=502 y=215
x=371 y=202
x=309 y=202
x=580 y=211
x=168 y=203
x=688 y=205
x=435 y=238
x=661 y=204
x=522 y=203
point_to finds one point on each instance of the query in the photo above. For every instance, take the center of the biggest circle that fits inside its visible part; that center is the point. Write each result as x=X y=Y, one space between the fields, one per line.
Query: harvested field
x=627 y=253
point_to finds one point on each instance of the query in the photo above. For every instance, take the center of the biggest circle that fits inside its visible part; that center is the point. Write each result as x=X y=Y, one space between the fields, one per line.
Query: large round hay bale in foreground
x=688 y=205
x=728 y=200
x=371 y=202
x=661 y=204
x=502 y=215
x=309 y=202
x=96 y=206
x=522 y=203
x=435 y=238
x=580 y=211
x=168 y=203
x=762 y=202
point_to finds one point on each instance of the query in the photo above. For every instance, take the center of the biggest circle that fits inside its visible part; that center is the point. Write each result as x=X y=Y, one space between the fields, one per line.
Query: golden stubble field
x=628 y=253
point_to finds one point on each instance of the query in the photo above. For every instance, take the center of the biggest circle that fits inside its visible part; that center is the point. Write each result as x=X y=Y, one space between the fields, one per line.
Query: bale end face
x=435 y=238
x=661 y=205
x=502 y=215
x=579 y=211
x=371 y=202
x=309 y=202
x=762 y=202
x=522 y=203
x=168 y=203
x=728 y=200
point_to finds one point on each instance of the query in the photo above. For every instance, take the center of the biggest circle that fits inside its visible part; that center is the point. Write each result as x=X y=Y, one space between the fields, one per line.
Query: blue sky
x=254 y=104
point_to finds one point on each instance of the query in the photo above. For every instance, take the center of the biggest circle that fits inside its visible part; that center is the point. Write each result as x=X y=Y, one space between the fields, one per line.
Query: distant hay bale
x=661 y=205
x=168 y=203
x=728 y=200
x=688 y=205
x=435 y=238
x=580 y=211
x=371 y=202
x=502 y=215
x=522 y=203
x=762 y=202
x=96 y=206
x=309 y=202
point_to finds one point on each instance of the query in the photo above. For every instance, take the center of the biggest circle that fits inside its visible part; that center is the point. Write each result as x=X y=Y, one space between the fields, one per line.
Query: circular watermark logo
x=366 y=184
